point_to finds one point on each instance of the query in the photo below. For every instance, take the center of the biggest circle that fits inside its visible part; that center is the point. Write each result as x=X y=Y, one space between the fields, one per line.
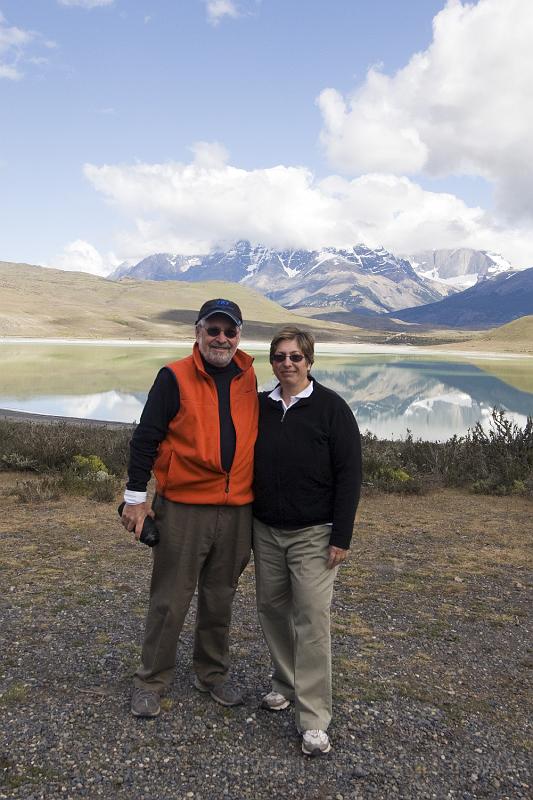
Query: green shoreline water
x=433 y=396
x=132 y=367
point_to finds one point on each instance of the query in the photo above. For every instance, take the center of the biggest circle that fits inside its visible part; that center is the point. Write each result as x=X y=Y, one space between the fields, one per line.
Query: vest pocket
x=162 y=470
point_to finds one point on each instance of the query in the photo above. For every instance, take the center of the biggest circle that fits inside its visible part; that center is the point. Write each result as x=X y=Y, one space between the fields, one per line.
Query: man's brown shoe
x=224 y=693
x=145 y=703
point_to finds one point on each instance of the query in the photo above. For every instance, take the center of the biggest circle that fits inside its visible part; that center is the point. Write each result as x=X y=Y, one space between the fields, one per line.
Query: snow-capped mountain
x=460 y=268
x=357 y=278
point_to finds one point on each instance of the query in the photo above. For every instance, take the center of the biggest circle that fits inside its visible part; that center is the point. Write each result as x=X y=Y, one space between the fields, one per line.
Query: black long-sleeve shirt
x=162 y=405
x=308 y=464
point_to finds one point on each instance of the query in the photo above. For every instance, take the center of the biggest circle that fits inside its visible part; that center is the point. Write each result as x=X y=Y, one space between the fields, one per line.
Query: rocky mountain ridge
x=460 y=268
x=331 y=279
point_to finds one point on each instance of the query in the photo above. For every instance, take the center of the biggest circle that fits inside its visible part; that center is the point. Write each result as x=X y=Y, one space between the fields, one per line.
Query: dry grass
x=514 y=337
x=74 y=304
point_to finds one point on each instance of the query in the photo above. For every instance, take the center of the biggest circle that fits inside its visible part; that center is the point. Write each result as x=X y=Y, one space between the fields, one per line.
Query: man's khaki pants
x=208 y=545
x=294 y=592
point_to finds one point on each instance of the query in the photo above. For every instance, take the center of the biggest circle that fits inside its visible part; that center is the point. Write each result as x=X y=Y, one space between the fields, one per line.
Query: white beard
x=218 y=357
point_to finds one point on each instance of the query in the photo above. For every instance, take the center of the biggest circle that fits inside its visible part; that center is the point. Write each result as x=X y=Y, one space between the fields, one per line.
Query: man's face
x=219 y=346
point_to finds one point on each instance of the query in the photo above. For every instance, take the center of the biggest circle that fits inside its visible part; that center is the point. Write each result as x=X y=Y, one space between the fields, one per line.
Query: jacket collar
x=307 y=398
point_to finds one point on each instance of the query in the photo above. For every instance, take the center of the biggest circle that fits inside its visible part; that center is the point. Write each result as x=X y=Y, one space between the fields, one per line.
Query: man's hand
x=133 y=518
x=336 y=556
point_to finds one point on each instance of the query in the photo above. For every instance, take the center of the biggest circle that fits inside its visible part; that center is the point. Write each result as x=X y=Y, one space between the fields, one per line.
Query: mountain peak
x=460 y=268
x=355 y=278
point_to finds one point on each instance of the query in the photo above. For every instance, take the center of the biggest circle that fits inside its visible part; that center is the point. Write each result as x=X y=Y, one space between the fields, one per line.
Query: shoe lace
x=144 y=694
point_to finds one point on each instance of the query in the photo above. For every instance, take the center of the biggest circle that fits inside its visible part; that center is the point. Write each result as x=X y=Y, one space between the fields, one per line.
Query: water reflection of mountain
x=432 y=400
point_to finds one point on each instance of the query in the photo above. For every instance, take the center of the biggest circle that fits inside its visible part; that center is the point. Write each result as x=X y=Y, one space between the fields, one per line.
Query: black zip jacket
x=308 y=464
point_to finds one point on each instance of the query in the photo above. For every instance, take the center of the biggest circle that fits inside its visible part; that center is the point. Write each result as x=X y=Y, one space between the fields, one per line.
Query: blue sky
x=129 y=127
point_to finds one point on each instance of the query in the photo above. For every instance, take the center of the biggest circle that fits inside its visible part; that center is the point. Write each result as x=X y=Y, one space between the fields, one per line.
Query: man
x=197 y=432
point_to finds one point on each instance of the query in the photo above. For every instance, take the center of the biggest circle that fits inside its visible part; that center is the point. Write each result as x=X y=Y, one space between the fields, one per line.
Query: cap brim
x=217 y=313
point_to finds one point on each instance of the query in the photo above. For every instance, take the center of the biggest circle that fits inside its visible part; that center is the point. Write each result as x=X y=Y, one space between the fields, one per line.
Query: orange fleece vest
x=188 y=468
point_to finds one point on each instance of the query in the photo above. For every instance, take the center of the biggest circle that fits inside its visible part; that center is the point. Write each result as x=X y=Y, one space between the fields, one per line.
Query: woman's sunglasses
x=279 y=358
x=229 y=333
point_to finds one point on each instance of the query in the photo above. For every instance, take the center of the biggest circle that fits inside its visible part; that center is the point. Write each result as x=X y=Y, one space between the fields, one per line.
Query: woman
x=307 y=484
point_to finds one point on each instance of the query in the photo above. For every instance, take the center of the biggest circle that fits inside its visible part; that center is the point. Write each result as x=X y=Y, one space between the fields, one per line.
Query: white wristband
x=132 y=498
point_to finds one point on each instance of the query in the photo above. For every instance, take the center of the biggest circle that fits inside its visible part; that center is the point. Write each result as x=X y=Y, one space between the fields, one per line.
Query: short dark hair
x=305 y=340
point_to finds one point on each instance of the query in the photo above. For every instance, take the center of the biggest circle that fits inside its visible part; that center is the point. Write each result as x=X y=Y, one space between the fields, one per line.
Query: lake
x=433 y=397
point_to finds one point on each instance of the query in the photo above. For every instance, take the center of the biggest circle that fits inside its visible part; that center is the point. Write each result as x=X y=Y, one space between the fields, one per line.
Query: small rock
x=359 y=772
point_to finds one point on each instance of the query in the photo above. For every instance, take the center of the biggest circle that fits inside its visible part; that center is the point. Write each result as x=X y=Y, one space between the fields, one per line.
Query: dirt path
x=430 y=634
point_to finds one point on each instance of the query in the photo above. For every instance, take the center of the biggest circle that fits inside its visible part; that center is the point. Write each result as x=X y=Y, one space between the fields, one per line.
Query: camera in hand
x=149 y=534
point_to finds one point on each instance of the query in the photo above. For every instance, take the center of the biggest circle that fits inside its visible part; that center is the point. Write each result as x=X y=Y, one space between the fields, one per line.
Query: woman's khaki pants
x=294 y=592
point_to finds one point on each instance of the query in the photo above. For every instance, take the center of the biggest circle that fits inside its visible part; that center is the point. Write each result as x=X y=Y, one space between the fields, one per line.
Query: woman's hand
x=336 y=556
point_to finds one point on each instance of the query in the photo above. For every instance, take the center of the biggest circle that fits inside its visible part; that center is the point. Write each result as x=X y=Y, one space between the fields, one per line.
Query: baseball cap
x=220 y=306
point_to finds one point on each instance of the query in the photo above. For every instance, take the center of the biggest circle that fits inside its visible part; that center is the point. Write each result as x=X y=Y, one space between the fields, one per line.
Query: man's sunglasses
x=279 y=358
x=229 y=333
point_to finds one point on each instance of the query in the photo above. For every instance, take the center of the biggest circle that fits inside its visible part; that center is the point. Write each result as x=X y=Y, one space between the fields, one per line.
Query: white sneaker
x=315 y=743
x=274 y=701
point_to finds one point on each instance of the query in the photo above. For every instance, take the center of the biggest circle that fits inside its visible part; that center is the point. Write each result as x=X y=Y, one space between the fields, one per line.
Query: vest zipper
x=227 y=483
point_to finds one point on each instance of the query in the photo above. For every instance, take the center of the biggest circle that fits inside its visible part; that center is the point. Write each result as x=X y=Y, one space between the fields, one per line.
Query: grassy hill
x=49 y=303
x=514 y=337
x=516 y=332
x=39 y=302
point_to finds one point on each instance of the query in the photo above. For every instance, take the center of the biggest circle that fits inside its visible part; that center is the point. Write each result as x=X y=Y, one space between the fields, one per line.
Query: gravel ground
x=430 y=664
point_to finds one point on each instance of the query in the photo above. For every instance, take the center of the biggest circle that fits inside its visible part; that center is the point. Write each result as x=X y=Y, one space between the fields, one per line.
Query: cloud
x=10 y=72
x=13 y=41
x=209 y=154
x=461 y=107
x=81 y=256
x=218 y=9
x=86 y=3
x=191 y=208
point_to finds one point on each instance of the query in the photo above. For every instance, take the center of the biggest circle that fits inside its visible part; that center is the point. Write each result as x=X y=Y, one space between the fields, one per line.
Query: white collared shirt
x=276 y=395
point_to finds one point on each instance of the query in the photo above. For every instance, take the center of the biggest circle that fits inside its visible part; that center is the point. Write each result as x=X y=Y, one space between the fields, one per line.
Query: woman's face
x=291 y=374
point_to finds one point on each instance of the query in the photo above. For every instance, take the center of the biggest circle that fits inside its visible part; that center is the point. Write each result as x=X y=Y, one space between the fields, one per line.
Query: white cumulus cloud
x=81 y=256
x=13 y=41
x=209 y=154
x=190 y=208
x=218 y=9
x=461 y=107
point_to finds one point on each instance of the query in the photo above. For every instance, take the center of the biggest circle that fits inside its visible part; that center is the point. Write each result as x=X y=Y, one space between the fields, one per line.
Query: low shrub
x=52 y=446
x=92 y=459
x=92 y=466
x=18 y=462
x=496 y=461
x=88 y=475
x=37 y=491
x=105 y=491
